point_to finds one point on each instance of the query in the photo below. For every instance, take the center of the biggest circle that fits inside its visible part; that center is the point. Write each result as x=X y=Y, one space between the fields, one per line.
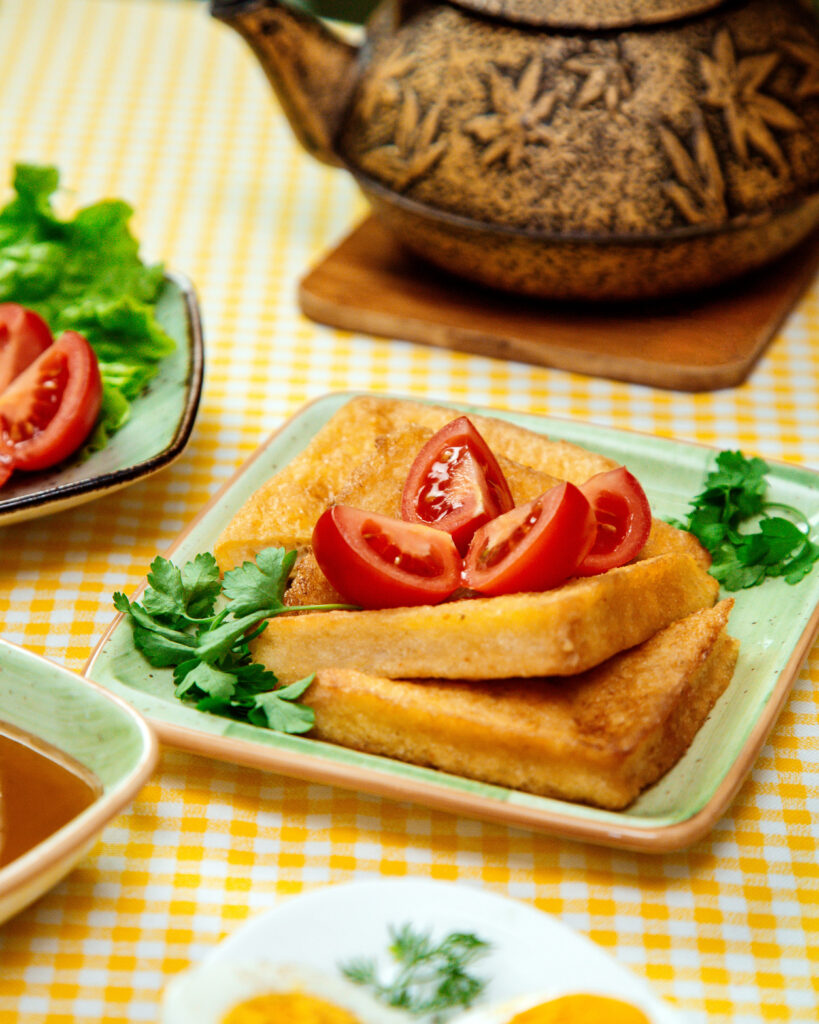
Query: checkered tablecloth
x=153 y=101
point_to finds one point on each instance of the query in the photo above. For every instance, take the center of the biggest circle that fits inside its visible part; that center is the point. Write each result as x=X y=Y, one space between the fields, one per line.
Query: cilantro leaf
x=732 y=518
x=211 y=680
x=202 y=584
x=282 y=712
x=178 y=626
x=166 y=595
x=184 y=595
x=216 y=642
x=259 y=585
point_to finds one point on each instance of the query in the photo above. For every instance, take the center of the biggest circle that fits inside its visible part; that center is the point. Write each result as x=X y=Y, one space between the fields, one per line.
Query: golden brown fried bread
x=284 y=510
x=600 y=737
x=557 y=632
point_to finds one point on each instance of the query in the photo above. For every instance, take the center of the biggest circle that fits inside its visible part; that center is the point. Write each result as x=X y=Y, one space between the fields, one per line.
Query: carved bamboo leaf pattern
x=415 y=149
x=807 y=55
x=604 y=76
x=518 y=116
x=699 y=191
x=384 y=83
x=733 y=86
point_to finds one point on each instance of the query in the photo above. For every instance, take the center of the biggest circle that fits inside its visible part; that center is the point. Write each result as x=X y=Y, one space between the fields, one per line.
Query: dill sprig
x=431 y=977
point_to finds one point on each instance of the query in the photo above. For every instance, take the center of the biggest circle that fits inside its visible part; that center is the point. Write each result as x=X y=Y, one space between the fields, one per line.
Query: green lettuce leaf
x=84 y=273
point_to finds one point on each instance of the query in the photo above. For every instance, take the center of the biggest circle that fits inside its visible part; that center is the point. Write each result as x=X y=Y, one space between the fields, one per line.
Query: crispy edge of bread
x=600 y=737
x=555 y=632
x=284 y=509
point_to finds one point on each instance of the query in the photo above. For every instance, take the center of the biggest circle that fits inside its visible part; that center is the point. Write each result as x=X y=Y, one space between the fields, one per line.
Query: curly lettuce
x=85 y=274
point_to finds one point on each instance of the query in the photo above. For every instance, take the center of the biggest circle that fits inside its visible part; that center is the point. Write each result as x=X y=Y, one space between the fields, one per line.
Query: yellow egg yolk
x=287 y=1008
x=581 y=1009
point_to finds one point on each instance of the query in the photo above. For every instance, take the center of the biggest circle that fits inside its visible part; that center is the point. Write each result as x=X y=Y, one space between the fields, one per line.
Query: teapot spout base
x=312 y=70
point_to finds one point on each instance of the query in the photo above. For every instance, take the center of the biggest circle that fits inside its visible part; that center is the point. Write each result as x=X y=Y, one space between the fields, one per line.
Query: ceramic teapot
x=574 y=149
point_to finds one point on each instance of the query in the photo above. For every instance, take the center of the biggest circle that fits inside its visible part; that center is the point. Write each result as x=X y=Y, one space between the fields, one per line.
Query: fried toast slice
x=284 y=510
x=600 y=737
x=556 y=632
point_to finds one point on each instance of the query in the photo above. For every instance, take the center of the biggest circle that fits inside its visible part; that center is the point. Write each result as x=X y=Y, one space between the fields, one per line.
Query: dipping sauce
x=41 y=789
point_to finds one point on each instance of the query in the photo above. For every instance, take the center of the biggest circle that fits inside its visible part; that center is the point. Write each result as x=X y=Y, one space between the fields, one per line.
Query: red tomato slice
x=455 y=483
x=379 y=562
x=23 y=336
x=49 y=409
x=623 y=520
x=535 y=546
x=6 y=467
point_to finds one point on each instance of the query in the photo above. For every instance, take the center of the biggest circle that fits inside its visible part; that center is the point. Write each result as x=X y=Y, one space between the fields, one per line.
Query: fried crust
x=600 y=737
x=284 y=510
x=556 y=632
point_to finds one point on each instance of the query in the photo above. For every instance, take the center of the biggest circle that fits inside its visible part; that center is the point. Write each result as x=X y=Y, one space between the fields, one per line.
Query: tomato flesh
x=455 y=483
x=48 y=410
x=533 y=547
x=23 y=336
x=378 y=562
x=623 y=517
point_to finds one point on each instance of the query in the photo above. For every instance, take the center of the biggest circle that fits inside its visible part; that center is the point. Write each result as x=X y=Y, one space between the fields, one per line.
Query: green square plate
x=168 y=405
x=775 y=623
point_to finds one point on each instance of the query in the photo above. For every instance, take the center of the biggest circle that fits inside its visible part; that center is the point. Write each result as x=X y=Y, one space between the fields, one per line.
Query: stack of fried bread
x=589 y=692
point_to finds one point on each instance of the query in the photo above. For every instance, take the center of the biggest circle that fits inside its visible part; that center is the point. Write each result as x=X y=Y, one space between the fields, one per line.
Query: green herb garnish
x=178 y=625
x=431 y=978
x=85 y=274
x=734 y=499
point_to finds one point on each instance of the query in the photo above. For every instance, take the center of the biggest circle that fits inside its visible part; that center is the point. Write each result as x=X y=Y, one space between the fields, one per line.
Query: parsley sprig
x=178 y=625
x=432 y=978
x=732 y=518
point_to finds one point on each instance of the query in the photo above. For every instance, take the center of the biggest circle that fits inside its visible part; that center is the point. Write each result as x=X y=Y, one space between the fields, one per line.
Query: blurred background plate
x=156 y=433
x=529 y=951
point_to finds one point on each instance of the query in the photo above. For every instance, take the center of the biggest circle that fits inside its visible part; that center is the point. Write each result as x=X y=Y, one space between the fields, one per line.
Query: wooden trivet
x=370 y=284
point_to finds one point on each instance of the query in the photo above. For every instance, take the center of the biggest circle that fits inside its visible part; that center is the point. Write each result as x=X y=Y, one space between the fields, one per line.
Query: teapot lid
x=589 y=14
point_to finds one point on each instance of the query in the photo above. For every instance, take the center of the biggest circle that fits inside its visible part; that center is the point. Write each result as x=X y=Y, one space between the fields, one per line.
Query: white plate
x=530 y=950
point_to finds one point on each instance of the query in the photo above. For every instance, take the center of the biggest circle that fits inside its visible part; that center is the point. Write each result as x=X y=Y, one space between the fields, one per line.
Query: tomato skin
x=623 y=520
x=49 y=409
x=455 y=483
x=379 y=562
x=23 y=336
x=533 y=547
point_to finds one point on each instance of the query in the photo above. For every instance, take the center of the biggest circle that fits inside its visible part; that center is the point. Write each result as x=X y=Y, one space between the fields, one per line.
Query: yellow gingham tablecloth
x=154 y=102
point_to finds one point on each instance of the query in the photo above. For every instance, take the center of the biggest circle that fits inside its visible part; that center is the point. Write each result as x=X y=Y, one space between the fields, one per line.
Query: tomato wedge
x=623 y=520
x=535 y=546
x=23 y=336
x=48 y=410
x=6 y=467
x=379 y=562
x=455 y=483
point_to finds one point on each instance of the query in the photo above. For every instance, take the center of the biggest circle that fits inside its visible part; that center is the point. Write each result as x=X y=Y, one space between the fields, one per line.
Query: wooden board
x=370 y=284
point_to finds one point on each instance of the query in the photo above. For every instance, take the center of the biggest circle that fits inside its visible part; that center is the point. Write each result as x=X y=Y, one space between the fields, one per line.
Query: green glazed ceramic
x=159 y=428
x=55 y=707
x=775 y=623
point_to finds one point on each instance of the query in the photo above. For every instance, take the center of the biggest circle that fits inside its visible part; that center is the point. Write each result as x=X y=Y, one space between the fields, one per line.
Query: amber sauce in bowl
x=41 y=789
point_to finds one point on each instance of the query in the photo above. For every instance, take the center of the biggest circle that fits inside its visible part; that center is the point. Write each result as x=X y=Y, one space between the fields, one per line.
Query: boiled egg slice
x=268 y=993
x=564 y=1008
